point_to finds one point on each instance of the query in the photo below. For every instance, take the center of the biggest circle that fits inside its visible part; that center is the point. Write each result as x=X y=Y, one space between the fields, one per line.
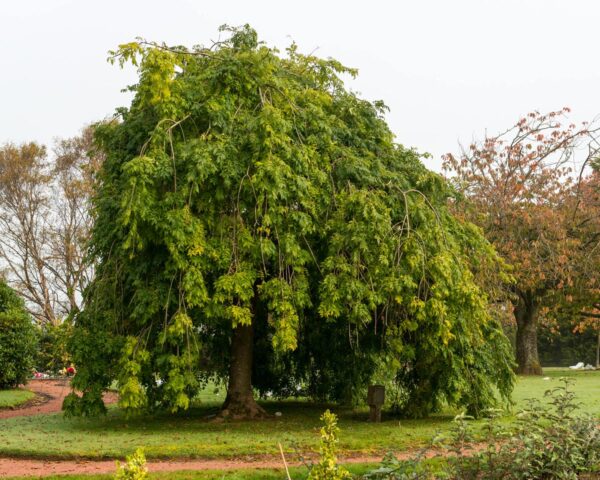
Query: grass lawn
x=190 y=435
x=14 y=398
x=587 y=388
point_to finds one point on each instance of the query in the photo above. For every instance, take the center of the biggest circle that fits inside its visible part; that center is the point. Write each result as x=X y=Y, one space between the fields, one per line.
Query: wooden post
x=375 y=400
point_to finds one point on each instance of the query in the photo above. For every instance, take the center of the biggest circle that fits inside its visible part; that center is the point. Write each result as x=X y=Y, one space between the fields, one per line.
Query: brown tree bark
x=240 y=403
x=598 y=351
x=526 y=316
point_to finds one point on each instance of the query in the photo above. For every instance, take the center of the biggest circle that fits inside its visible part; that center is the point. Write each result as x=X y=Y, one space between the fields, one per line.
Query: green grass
x=586 y=387
x=191 y=435
x=14 y=398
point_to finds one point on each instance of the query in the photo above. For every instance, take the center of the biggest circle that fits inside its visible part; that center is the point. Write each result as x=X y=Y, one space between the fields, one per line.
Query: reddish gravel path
x=49 y=397
x=43 y=468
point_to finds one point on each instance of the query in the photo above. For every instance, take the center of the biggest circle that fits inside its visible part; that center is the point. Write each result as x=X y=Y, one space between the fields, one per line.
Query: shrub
x=18 y=339
x=550 y=442
x=553 y=442
x=327 y=468
x=134 y=467
x=52 y=353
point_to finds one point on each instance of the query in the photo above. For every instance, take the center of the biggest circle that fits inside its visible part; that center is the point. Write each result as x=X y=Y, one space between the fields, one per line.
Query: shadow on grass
x=296 y=416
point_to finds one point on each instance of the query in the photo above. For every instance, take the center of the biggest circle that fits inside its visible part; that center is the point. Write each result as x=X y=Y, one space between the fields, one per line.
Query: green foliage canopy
x=243 y=186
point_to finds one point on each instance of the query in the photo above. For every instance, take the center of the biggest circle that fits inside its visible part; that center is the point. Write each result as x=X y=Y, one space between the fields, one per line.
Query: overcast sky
x=447 y=69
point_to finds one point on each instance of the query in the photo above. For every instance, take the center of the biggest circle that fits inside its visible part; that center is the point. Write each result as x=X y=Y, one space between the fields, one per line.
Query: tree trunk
x=240 y=403
x=598 y=351
x=526 y=312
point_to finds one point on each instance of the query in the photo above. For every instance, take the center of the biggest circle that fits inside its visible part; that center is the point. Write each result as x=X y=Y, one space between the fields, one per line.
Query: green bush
x=52 y=354
x=18 y=339
x=134 y=467
x=327 y=468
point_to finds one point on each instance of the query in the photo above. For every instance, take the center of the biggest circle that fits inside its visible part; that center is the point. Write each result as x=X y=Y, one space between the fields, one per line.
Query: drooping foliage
x=18 y=339
x=245 y=187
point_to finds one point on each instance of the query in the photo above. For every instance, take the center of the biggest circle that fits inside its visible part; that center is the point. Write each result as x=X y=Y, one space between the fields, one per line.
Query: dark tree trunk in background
x=598 y=351
x=240 y=402
x=526 y=316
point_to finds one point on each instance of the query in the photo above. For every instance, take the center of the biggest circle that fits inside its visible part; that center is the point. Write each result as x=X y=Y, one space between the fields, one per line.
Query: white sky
x=448 y=69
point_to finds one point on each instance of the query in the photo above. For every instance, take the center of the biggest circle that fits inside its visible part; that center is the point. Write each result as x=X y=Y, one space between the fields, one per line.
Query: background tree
x=520 y=188
x=45 y=223
x=18 y=338
x=250 y=206
x=24 y=217
x=559 y=345
x=592 y=322
x=584 y=310
x=76 y=163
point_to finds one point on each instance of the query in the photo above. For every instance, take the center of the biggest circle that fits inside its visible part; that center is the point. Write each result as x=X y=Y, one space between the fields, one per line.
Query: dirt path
x=49 y=397
x=43 y=468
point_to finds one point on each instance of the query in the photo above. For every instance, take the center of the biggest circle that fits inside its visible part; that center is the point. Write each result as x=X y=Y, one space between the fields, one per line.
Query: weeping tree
x=250 y=206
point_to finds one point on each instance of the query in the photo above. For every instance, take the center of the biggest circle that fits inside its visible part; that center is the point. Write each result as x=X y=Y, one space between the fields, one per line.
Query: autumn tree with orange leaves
x=583 y=311
x=521 y=188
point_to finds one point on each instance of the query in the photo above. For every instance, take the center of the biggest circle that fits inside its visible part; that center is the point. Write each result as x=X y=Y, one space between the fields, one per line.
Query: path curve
x=49 y=397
